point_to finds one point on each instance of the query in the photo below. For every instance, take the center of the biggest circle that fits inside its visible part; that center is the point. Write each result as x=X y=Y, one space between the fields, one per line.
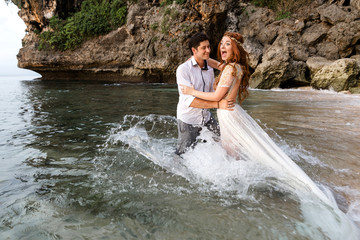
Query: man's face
x=202 y=52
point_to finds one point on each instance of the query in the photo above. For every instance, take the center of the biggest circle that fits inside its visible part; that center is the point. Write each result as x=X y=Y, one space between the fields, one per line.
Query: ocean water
x=94 y=160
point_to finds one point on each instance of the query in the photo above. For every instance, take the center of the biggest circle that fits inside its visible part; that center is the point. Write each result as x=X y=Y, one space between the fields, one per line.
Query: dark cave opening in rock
x=66 y=8
x=346 y=3
x=291 y=83
x=35 y=24
x=215 y=32
x=356 y=50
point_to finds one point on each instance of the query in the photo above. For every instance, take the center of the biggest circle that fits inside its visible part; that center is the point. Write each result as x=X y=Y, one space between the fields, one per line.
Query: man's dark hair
x=196 y=39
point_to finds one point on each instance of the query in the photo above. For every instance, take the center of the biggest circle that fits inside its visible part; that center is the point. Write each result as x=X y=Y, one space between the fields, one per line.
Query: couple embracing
x=240 y=134
x=199 y=91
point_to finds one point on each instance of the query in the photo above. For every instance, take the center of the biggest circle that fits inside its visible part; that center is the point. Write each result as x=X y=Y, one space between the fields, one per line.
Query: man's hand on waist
x=227 y=104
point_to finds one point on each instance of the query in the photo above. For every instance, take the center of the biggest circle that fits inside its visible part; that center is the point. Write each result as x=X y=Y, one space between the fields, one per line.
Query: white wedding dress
x=244 y=139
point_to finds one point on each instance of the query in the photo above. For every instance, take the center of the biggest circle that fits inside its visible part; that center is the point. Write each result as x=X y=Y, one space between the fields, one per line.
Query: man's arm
x=215 y=64
x=222 y=104
x=200 y=103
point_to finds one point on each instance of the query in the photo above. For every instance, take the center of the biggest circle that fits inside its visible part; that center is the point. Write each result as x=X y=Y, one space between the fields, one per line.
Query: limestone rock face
x=255 y=50
x=355 y=4
x=317 y=63
x=292 y=47
x=149 y=47
x=328 y=50
x=345 y=36
x=357 y=59
x=283 y=53
x=35 y=12
x=315 y=34
x=332 y=14
x=278 y=67
x=340 y=75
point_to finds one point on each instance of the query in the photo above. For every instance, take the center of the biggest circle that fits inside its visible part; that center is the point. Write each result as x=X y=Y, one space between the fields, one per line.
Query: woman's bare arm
x=220 y=92
x=210 y=96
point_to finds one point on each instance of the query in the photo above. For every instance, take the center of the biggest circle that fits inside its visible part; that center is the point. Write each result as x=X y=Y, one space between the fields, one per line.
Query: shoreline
x=132 y=82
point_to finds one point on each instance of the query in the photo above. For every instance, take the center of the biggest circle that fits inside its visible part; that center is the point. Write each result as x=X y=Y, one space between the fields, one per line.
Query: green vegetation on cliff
x=96 y=17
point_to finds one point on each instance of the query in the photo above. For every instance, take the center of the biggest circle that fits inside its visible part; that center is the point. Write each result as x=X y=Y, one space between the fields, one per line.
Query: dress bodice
x=227 y=79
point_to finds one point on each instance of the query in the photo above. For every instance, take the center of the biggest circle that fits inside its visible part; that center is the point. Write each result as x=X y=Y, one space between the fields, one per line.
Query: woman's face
x=226 y=48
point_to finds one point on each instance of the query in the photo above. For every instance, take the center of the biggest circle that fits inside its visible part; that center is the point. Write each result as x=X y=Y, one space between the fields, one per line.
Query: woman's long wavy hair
x=239 y=56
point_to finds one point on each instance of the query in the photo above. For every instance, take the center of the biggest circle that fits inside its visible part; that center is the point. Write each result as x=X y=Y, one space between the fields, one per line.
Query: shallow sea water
x=95 y=161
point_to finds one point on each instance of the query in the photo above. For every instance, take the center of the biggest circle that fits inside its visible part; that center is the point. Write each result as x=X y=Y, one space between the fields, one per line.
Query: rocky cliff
x=319 y=45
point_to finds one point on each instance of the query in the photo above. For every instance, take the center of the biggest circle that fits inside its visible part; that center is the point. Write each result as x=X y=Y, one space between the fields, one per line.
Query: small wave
x=309 y=90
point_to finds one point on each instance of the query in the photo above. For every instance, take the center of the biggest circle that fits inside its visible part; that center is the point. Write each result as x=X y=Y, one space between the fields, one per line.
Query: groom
x=193 y=113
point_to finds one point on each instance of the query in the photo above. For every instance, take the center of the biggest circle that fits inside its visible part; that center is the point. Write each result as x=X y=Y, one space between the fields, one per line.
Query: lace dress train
x=242 y=137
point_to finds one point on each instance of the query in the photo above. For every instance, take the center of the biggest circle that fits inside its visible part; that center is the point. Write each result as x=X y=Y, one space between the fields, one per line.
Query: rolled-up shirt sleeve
x=182 y=77
x=188 y=100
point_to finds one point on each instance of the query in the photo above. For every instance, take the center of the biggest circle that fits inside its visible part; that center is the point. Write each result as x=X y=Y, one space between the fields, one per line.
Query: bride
x=241 y=136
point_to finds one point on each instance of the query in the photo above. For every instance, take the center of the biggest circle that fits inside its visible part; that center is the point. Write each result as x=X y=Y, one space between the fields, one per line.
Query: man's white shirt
x=189 y=73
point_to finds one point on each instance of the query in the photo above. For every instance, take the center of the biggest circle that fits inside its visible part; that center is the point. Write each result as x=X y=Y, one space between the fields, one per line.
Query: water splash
x=208 y=165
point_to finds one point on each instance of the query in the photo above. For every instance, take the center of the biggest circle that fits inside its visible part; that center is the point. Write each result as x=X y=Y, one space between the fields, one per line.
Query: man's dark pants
x=188 y=133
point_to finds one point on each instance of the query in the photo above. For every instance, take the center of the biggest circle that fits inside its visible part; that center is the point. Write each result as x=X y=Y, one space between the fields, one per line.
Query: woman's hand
x=187 y=90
